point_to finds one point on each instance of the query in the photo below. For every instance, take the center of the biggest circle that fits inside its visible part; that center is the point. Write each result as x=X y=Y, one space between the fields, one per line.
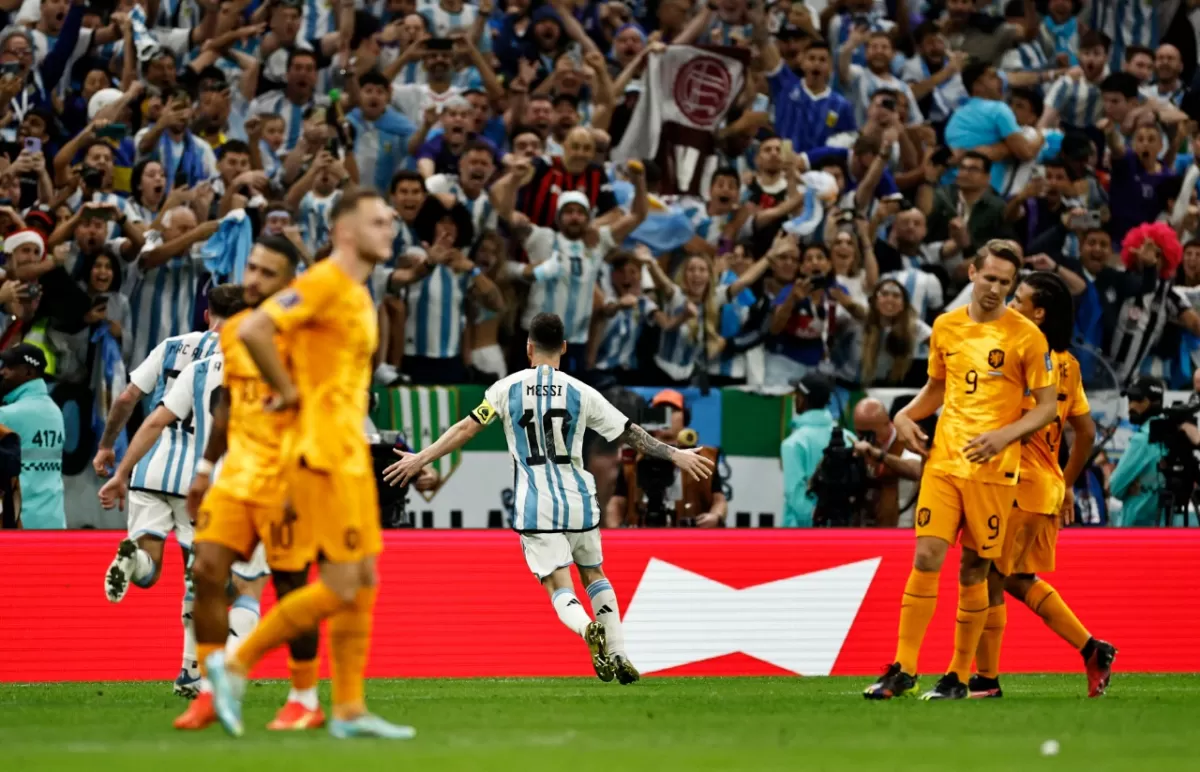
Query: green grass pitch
x=1145 y=723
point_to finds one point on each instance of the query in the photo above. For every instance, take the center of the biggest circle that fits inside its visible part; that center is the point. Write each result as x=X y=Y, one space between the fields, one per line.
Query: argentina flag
x=665 y=229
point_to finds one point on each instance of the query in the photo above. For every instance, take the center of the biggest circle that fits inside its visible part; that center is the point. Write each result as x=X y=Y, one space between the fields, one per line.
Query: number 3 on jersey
x=538 y=455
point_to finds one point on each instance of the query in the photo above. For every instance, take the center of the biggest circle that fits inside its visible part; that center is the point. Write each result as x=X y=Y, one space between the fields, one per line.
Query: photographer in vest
x=652 y=495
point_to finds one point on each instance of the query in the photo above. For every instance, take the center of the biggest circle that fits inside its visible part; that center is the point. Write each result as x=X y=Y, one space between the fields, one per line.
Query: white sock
x=243 y=617
x=189 y=632
x=306 y=697
x=144 y=568
x=570 y=611
x=604 y=606
x=205 y=686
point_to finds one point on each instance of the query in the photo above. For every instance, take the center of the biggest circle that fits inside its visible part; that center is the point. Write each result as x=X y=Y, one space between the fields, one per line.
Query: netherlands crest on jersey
x=996 y=358
x=423 y=414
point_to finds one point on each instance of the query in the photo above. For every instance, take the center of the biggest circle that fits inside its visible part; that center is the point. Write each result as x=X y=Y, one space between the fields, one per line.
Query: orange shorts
x=948 y=505
x=240 y=524
x=342 y=511
x=1029 y=541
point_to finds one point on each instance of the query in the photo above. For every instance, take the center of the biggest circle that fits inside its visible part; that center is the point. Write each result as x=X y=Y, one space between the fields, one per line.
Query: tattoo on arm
x=637 y=438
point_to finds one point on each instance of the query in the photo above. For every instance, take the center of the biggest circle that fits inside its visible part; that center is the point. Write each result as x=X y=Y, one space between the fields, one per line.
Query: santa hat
x=1164 y=238
x=22 y=237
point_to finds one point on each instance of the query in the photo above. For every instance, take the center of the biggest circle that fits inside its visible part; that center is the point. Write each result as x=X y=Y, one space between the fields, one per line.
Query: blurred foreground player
x=1044 y=498
x=244 y=510
x=983 y=358
x=544 y=413
x=329 y=325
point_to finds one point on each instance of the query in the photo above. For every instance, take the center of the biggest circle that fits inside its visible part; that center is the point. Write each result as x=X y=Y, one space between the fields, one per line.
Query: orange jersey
x=332 y=331
x=253 y=464
x=988 y=367
x=1042 y=487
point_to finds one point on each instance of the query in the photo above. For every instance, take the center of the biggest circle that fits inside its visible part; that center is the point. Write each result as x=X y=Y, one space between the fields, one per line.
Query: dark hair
x=726 y=171
x=233 y=146
x=1031 y=96
x=1001 y=249
x=1050 y=294
x=546 y=333
x=1132 y=51
x=987 y=162
x=925 y=29
x=89 y=262
x=373 y=77
x=972 y=73
x=1058 y=162
x=283 y=246
x=886 y=92
x=348 y=202
x=819 y=44
x=520 y=129
x=623 y=257
x=87 y=148
x=1094 y=39
x=139 y=171
x=477 y=145
x=570 y=99
x=406 y=175
x=225 y=300
x=540 y=98
x=1101 y=231
x=1123 y=83
x=298 y=52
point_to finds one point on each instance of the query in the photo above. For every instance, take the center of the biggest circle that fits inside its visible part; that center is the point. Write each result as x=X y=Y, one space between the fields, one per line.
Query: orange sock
x=297 y=612
x=969 y=622
x=987 y=656
x=916 y=609
x=349 y=640
x=1054 y=611
x=304 y=674
x=202 y=652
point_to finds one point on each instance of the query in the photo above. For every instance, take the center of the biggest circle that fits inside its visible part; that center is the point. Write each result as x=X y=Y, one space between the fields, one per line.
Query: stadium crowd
x=874 y=148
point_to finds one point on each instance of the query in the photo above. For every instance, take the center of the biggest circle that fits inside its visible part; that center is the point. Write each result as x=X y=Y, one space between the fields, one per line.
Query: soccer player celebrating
x=544 y=413
x=155 y=488
x=329 y=324
x=983 y=358
x=246 y=505
x=1043 y=498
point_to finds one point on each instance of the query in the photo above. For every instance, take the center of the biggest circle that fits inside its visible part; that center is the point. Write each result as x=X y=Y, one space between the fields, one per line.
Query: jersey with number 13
x=544 y=414
x=988 y=368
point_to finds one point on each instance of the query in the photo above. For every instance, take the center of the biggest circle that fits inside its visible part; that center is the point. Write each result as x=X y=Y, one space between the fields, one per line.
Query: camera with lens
x=393 y=500
x=840 y=485
x=92 y=178
x=1179 y=467
x=655 y=476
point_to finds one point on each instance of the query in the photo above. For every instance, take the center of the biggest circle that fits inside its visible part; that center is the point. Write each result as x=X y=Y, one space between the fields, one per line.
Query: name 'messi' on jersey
x=544 y=413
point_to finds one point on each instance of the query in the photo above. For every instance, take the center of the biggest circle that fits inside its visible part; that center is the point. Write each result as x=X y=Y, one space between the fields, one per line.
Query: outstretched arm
x=688 y=462
x=411 y=464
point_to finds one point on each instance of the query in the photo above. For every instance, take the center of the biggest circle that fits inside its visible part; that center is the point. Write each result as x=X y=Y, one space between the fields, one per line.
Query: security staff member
x=27 y=410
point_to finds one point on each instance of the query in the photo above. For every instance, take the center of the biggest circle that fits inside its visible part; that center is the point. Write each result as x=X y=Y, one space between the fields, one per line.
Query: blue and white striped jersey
x=405 y=239
x=679 y=348
x=276 y=103
x=317 y=19
x=161 y=470
x=618 y=343
x=436 y=311
x=315 y=218
x=566 y=278
x=841 y=25
x=1129 y=23
x=192 y=399
x=947 y=97
x=734 y=312
x=1078 y=102
x=863 y=85
x=163 y=299
x=544 y=413
x=444 y=22
x=1030 y=57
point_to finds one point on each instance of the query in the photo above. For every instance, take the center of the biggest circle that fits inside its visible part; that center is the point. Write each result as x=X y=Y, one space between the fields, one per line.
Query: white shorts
x=545 y=553
x=156 y=514
x=490 y=359
x=255 y=567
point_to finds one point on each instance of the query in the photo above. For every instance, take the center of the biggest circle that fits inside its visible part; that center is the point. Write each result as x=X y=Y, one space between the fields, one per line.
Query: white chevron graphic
x=799 y=624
